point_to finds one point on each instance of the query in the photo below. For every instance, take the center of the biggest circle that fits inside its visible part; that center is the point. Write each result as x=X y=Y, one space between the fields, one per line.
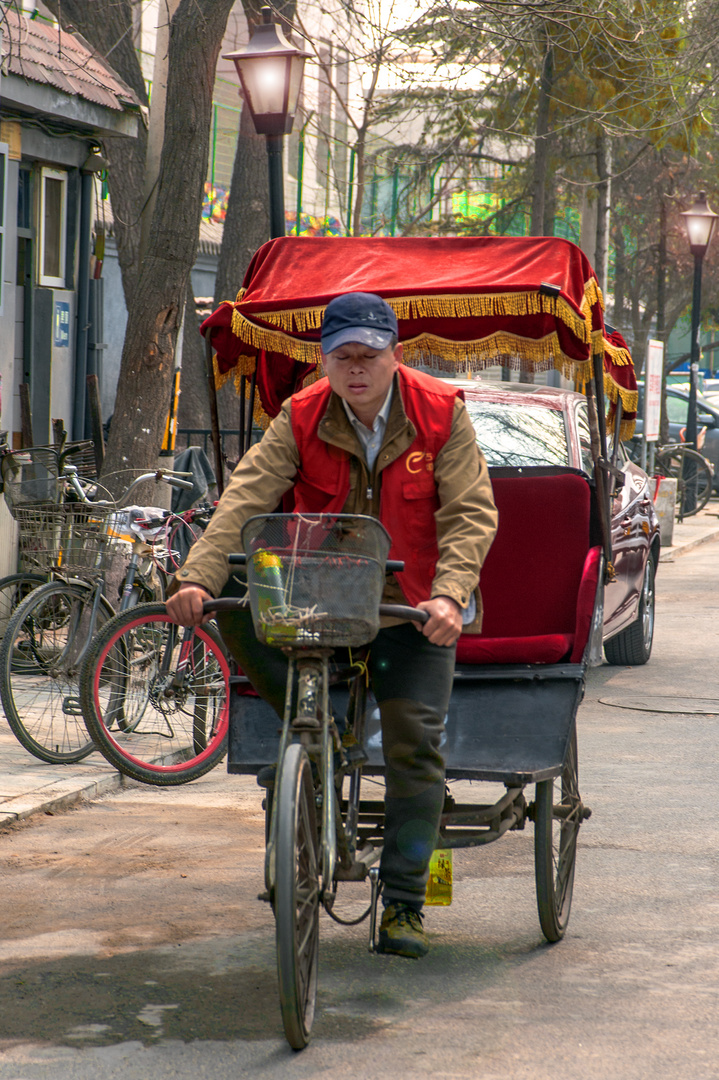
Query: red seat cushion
x=542 y=649
x=585 y=602
x=533 y=574
x=530 y=578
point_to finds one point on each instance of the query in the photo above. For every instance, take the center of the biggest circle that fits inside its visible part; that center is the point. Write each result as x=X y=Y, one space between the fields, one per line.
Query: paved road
x=134 y=948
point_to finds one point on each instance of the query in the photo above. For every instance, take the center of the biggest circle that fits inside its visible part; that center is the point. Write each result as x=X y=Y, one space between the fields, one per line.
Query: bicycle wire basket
x=31 y=478
x=315 y=579
x=72 y=538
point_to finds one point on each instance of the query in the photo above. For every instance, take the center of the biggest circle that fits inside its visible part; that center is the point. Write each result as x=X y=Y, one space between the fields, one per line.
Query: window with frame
x=3 y=211
x=53 y=227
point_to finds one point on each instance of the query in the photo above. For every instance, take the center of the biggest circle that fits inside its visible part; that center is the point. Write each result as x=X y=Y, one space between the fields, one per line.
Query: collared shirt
x=371 y=439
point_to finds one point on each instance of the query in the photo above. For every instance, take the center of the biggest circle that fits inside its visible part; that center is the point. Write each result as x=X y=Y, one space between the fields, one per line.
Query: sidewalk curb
x=60 y=795
x=672 y=553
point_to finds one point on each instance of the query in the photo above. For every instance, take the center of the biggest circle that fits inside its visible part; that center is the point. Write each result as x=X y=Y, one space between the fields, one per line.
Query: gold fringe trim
x=630 y=398
x=510 y=350
x=245 y=366
x=540 y=354
x=449 y=306
x=260 y=337
x=317 y=373
x=620 y=357
x=260 y=417
x=593 y=294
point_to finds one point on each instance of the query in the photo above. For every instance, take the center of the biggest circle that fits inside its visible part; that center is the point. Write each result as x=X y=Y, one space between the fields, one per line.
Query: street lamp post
x=700 y=222
x=270 y=69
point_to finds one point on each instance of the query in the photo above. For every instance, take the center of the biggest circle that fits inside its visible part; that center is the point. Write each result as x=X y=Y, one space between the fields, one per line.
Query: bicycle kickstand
x=376 y=889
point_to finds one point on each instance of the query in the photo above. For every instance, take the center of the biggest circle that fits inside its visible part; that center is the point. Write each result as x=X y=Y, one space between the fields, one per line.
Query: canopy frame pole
x=214 y=418
x=602 y=468
x=243 y=413
x=251 y=411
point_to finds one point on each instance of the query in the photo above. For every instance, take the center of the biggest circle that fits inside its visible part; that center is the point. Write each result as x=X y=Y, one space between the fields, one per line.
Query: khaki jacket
x=466 y=520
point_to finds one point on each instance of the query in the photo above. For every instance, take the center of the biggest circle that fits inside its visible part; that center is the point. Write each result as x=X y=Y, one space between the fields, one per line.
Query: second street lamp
x=700 y=222
x=270 y=69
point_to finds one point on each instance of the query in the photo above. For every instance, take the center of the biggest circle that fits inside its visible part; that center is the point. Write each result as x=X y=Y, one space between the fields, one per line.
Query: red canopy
x=462 y=303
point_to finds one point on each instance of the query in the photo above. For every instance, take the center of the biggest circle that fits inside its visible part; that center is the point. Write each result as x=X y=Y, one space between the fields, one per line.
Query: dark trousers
x=412 y=682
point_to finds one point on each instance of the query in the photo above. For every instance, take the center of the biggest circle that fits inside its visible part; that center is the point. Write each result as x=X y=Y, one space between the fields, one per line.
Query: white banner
x=653 y=390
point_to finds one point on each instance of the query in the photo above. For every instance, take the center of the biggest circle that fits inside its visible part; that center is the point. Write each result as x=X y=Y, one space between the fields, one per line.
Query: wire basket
x=72 y=538
x=315 y=579
x=31 y=477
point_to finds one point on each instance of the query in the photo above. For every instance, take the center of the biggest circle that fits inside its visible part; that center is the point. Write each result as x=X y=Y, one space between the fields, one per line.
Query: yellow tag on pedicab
x=439 y=884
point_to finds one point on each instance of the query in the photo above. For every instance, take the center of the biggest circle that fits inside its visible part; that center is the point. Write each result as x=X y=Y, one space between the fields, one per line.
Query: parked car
x=526 y=425
x=677 y=411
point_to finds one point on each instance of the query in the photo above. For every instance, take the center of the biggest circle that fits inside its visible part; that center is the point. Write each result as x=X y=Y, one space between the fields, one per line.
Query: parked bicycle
x=78 y=548
x=677 y=460
x=693 y=472
x=14 y=588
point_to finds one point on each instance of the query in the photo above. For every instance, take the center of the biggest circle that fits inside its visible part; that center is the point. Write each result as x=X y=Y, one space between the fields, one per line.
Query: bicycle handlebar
x=70 y=473
x=240 y=559
x=393 y=611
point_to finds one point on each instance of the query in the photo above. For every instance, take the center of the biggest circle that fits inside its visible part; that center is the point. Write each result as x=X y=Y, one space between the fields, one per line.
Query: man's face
x=362 y=376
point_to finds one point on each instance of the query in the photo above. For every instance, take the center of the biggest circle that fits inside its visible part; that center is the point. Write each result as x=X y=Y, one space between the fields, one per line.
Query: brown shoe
x=401 y=932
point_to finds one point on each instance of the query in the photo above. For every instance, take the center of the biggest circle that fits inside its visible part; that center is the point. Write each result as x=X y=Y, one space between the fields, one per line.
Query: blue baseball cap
x=360 y=317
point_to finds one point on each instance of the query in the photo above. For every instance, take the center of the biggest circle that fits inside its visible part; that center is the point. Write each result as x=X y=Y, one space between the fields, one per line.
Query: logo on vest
x=420 y=459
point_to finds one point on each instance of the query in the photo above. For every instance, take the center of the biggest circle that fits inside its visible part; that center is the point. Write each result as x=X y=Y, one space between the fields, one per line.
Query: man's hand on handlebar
x=444 y=624
x=185 y=606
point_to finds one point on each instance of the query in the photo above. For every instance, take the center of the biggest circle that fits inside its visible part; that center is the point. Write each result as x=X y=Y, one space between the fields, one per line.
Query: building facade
x=57 y=101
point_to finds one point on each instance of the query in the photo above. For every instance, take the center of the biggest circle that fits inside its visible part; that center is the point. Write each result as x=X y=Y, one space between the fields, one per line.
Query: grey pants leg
x=412 y=681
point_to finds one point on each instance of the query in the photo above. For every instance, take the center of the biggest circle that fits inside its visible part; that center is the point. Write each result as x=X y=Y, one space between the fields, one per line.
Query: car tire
x=633 y=646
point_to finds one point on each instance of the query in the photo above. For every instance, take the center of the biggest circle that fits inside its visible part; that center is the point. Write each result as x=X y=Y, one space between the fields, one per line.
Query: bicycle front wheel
x=296 y=899
x=40 y=660
x=155 y=697
x=674 y=463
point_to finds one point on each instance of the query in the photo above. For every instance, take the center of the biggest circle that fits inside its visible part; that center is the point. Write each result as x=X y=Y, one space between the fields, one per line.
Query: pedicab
x=464 y=306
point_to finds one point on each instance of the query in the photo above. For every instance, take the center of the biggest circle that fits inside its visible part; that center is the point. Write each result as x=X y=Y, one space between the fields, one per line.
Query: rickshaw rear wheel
x=296 y=895
x=557 y=816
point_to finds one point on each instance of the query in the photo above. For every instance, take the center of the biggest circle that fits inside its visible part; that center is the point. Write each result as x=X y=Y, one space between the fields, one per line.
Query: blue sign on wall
x=62 y=324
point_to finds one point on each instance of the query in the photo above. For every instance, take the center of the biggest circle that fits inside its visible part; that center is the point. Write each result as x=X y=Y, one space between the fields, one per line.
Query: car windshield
x=510 y=434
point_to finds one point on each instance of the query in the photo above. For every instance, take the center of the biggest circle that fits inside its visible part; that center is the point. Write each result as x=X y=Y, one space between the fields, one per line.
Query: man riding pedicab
x=372 y=437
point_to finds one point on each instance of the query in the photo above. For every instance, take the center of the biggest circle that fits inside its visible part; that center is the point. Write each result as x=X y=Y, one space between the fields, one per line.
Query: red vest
x=408 y=499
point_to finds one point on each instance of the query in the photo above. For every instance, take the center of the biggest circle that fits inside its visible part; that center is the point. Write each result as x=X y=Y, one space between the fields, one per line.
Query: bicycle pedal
x=355 y=756
x=265 y=896
x=71 y=706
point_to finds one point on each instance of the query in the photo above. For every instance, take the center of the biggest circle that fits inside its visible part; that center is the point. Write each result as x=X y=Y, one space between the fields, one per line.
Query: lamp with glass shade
x=270 y=70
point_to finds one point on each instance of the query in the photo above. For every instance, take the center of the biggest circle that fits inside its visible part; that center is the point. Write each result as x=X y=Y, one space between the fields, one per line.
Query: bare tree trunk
x=155 y=314
x=550 y=194
x=156 y=130
x=541 y=158
x=194 y=409
x=247 y=221
x=107 y=27
x=620 y=276
x=541 y=141
x=604 y=190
